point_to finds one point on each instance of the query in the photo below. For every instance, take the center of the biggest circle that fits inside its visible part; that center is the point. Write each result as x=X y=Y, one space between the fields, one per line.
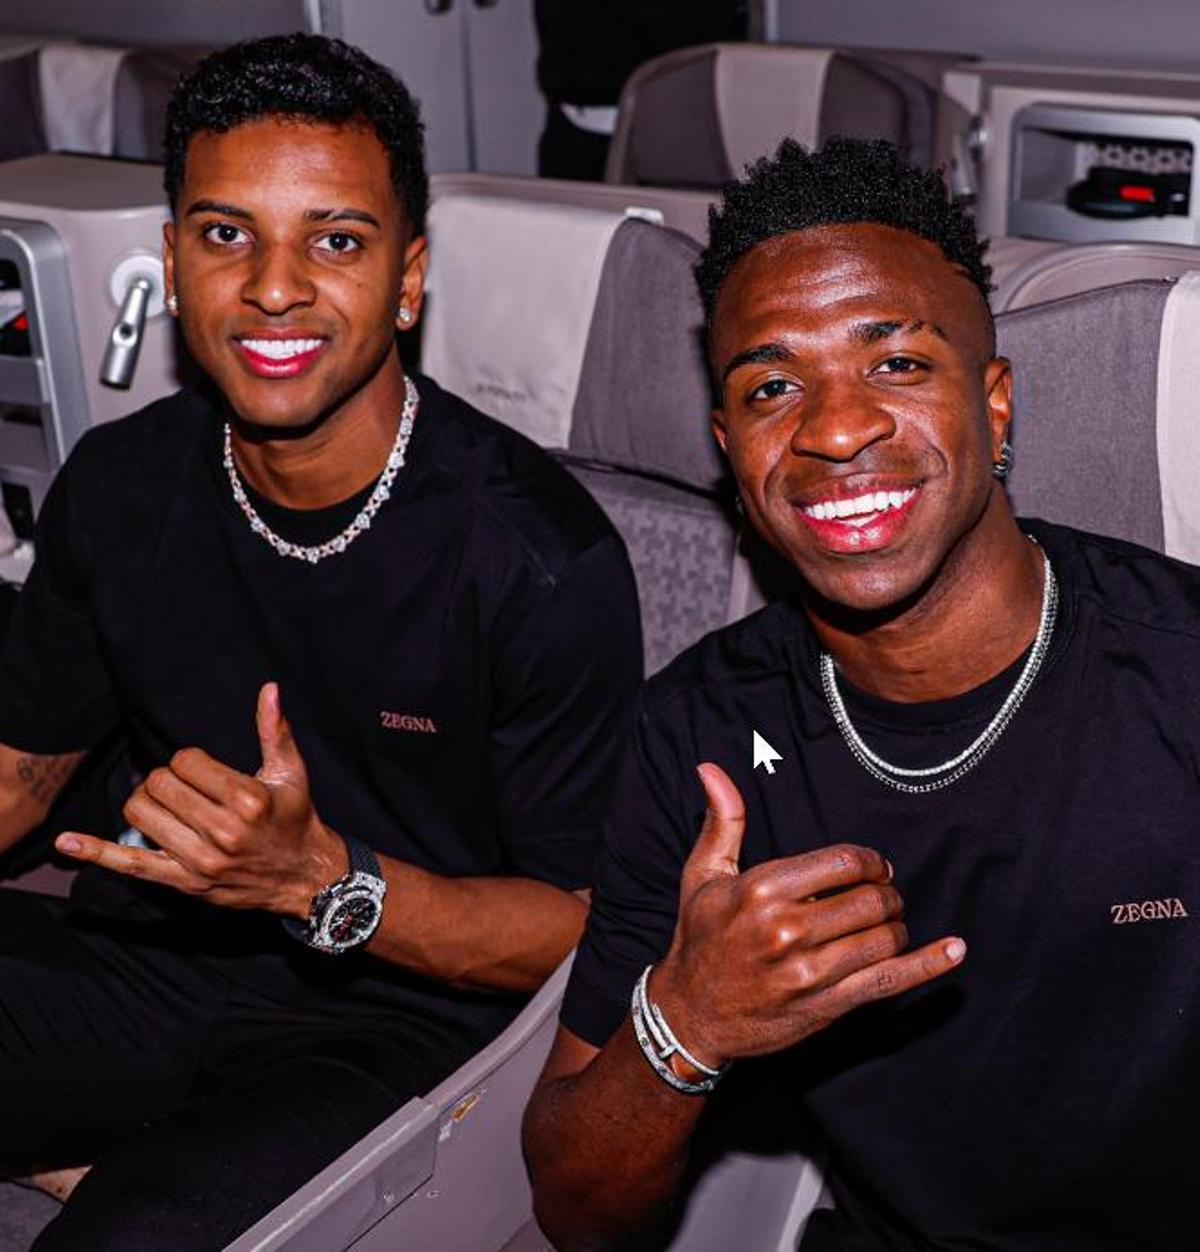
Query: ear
x=168 y=257
x=718 y=429
x=997 y=383
x=412 y=287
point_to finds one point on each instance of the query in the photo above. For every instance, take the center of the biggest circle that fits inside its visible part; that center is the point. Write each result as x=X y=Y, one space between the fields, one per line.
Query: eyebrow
x=764 y=352
x=872 y=332
x=310 y=215
x=219 y=206
x=341 y=215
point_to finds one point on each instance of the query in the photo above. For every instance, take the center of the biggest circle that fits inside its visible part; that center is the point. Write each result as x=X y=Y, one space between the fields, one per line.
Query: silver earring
x=405 y=314
x=173 y=304
x=1003 y=467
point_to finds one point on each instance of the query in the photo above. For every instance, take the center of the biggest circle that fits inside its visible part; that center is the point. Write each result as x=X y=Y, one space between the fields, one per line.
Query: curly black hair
x=309 y=77
x=846 y=180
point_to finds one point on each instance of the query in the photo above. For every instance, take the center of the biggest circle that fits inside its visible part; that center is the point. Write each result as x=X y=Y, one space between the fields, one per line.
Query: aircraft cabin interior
x=561 y=301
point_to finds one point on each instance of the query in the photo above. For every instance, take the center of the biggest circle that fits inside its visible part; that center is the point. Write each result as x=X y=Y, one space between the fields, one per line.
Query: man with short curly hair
x=995 y=718
x=315 y=916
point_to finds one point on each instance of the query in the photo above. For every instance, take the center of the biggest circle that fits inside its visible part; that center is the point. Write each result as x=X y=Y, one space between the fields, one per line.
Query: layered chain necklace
x=362 y=520
x=935 y=777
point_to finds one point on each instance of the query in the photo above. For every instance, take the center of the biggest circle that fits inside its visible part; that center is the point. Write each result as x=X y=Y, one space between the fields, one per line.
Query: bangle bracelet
x=658 y=1043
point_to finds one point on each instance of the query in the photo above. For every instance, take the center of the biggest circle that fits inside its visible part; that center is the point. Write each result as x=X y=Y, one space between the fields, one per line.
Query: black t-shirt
x=1046 y=1093
x=458 y=680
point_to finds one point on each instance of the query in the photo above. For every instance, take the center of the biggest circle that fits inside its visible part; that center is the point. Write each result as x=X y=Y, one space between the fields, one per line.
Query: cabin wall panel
x=156 y=21
x=1151 y=34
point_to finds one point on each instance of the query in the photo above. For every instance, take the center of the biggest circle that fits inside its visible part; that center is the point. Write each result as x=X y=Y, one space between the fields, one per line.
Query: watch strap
x=362 y=860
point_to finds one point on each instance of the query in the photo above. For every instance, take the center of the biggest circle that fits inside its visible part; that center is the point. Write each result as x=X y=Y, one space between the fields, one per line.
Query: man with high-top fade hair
x=372 y=652
x=882 y=830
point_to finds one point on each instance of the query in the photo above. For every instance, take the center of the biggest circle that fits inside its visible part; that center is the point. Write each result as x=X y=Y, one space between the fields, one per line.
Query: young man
x=996 y=719
x=372 y=652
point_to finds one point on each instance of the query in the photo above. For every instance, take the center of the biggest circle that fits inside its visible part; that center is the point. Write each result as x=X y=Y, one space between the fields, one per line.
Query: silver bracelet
x=658 y=1043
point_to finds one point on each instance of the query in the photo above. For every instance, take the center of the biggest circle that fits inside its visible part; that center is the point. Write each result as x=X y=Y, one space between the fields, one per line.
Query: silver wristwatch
x=344 y=915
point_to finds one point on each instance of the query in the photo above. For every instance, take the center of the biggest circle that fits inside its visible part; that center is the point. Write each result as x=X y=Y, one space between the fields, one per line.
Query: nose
x=278 y=282
x=840 y=420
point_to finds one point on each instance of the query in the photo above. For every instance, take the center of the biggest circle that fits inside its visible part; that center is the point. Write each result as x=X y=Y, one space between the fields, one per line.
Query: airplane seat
x=63 y=95
x=681 y=209
x=143 y=86
x=695 y=117
x=1104 y=432
x=1057 y=270
x=589 y=342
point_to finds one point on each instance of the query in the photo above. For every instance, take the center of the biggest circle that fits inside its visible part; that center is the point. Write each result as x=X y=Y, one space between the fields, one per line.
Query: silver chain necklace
x=362 y=520
x=939 y=776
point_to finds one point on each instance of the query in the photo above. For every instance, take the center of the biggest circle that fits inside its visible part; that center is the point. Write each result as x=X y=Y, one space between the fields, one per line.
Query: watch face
x=347 y=913
x=351 y=918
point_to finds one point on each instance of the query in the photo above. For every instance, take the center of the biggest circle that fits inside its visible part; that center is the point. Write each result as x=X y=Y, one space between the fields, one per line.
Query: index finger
x=150 y=864
x=810 y=874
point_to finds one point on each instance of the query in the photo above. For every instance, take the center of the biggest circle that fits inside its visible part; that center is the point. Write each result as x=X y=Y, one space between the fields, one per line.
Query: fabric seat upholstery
x=637 y=434
x=696 y=116
x=1085 y=379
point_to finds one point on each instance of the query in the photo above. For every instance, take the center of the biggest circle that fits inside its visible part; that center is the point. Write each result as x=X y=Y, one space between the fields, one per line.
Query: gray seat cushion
x=681 y=545
x=645 y=398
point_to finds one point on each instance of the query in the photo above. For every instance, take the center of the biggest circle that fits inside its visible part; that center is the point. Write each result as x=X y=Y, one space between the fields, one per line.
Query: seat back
x=697 y=116
x=1105 y=431
x=66 y=96
x=1057 y=270
x=589 y=341
x=682 y=210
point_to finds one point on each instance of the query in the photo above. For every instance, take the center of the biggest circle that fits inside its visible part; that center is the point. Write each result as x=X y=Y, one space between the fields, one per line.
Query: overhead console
x=1090 y=174
x=1081 y=154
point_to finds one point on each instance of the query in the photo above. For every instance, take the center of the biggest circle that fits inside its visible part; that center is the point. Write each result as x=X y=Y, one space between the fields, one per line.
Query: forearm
x=29 y=784
x=593 y=1190
x=499 y=933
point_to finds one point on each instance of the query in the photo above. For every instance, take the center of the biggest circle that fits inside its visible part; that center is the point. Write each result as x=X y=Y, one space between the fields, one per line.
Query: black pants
x=201 y=1104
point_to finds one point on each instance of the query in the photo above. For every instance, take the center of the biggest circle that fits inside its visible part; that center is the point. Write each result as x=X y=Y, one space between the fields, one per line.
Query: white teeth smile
x=280 y=349
x=860 y=508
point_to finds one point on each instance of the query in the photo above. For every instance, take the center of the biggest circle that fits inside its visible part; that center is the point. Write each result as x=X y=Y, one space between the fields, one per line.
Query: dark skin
x=288 y=229
x=853 y=360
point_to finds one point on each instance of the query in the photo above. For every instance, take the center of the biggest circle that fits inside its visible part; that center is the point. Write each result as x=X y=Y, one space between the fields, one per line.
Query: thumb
x=719 y=844
x=281 y=759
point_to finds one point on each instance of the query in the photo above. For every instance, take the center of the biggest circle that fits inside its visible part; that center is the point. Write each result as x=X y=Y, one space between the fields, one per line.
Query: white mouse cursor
x=764 y=754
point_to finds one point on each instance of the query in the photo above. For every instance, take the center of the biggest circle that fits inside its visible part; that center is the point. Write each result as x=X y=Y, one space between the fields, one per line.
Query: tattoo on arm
x=42 y=777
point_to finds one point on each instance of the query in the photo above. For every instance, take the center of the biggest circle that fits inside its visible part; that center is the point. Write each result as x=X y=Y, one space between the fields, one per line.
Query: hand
x=239 y=841
x=763 y=959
